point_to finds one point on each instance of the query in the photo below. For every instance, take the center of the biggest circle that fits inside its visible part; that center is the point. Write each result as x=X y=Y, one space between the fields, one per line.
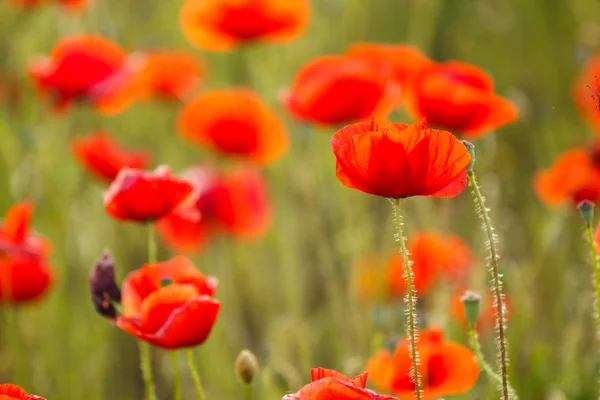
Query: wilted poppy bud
x=586 y=209
x=471 y=148
x=472 y=306
x=246 y=366
x=103 y=287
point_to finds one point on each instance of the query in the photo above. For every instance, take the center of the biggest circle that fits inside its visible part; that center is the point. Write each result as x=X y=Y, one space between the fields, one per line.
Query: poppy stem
x=410 y=299
x=248 y=391
x=492 y=245
x=594 y=255
x=176 y=376
x=146 y=367
x=485 y=367
x=152 y=249
x=195 y=375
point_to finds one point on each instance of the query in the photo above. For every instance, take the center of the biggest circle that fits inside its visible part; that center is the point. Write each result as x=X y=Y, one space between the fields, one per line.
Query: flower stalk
x=586 y=208
x=176 y=376
x=493 y=263
x=410 y=298
x=195 y=374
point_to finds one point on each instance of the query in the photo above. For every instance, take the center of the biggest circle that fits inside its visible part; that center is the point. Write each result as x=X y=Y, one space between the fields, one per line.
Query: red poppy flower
x=236 y=202
x=14 y=392
x=587 y=91
x=446 y=368
x=171 y=75
x=397 y=160
x=459 y=97
x=221 y=25
x=24 y=270
x=406 y=61
x=142 y=196
x=330 y=384
x=75 y=5
x=341 y=89
x=85 y=67
x=574 y=176
x=487 y=319
x=104 y=158
x=433 y=254
x=189 y=231
x=180 y=314
x=27 y=3
x=235 y=122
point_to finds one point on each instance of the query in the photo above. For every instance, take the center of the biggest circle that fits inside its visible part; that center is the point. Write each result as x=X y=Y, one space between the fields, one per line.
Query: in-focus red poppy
x=103 y=157
x=170 y=75
x=341 y=89
x=459 y=97
x=406 y=61
x=86 y=68
x=169 y=304
x=235 y=122
x=13 y=392
x=587 y=92
x=189 y=231
x=330 y=384
x=145 y=196
x=222 y=25
x=487 y=318
x=398 y=160
x=446 y=368
x=25 y=274
x=574 y=176
x=433 y=255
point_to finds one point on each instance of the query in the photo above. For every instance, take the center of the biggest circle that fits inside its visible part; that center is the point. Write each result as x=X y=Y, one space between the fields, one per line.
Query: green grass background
x=288 y=297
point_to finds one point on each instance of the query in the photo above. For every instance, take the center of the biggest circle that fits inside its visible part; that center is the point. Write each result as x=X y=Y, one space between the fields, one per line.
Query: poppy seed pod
x=472 y=306
x=471 y=148
x=103 y=287
x=246 y=366
x=586 y=209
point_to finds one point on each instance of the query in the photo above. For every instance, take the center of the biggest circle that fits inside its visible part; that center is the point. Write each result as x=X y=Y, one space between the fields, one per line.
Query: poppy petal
x=16 y=222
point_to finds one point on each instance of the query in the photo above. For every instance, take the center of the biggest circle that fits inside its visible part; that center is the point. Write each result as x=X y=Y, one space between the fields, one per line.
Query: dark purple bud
x=103 y=287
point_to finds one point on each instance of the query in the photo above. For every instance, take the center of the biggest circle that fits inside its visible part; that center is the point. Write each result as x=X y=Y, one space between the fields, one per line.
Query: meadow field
x=304 y=288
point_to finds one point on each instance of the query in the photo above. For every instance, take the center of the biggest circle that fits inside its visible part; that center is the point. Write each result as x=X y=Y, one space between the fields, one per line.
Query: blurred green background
x=289 y=296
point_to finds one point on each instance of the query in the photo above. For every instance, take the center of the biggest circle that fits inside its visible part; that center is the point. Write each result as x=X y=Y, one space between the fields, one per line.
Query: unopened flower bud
x=246 y=366
x=471 y=148
x=103 y=287
x=586 y=209
x=472 y=306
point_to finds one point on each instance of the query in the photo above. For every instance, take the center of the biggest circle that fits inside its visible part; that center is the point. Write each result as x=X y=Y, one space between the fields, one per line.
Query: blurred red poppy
x=27 y=3
x=13 y=392
x=342 y=89
x=446 y=368
x=24 y=270
x=433 y=254
x=330 y=384
x=398 y=160
x=170 y=75
x=459 y=97
x=75 y=5
x=235 y=202
x=487 y=318
x=406 y=61
x=189 y=231
x=222 y=25
x=103 y=157
x=587 y=92
x=169 y=304
x=85 y=67
x=574 y=176
x=235 y=122
x=145 y=196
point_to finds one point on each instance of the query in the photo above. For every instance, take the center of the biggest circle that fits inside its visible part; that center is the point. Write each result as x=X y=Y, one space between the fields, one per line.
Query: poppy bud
x=472 y=306
x=471 y=148
x=103 y=287
x=246 y=366
x=586 y=209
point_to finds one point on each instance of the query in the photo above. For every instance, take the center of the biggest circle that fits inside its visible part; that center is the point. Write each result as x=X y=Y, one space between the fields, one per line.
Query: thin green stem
x=410 y=298
x=152 y=249
x=195 y=374
x=594 y=255
x=248 y=391
x=176 y=376
x=476 y=346
x=146 y=367
x=496 y=281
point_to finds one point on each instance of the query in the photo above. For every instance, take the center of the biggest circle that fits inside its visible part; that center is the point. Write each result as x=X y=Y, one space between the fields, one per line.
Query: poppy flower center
x=436 y=371
x=251 y=22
